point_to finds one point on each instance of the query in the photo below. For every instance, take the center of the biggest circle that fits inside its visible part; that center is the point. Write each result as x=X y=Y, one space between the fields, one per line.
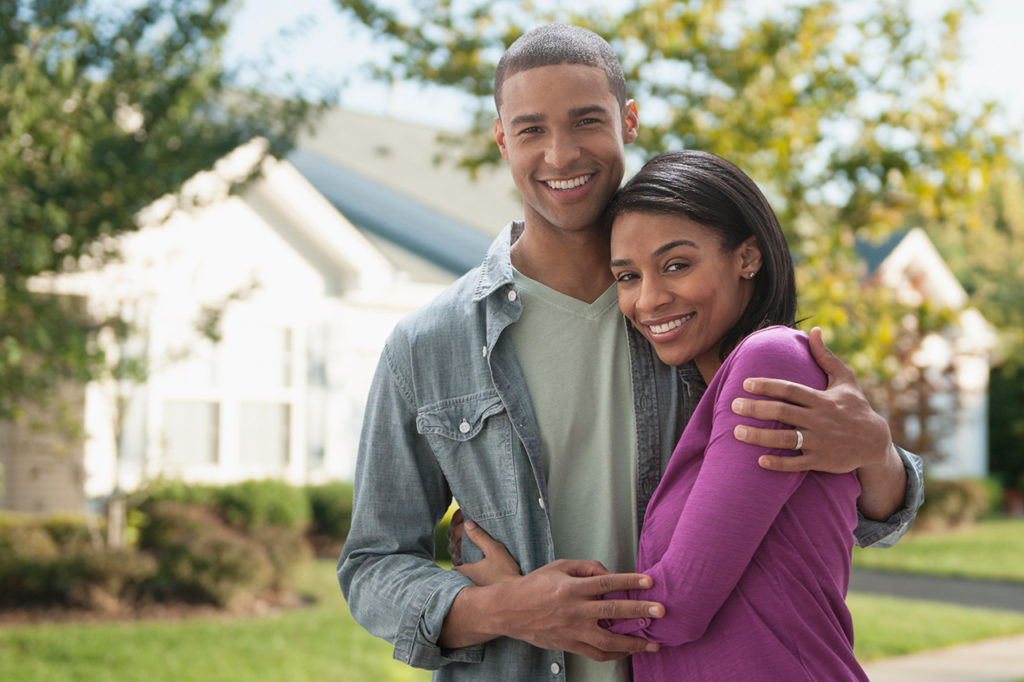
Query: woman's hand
x=497 y=566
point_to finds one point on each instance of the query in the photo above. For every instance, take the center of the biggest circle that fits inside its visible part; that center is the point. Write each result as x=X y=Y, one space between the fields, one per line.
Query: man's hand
x=455 y=537
x=497 y=566
x=841 y=432
x=557 y=607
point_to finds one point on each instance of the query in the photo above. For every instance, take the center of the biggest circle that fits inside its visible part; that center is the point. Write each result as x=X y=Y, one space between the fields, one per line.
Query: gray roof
x=390 y=178
x=394 y=217
x=873 y=253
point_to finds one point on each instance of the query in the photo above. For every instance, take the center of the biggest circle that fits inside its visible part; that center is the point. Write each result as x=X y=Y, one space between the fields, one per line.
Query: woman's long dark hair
x=716 y=194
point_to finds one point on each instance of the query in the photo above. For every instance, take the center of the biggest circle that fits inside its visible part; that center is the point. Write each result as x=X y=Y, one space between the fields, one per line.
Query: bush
x=179 y=491
x=331 y=507
x=954 y=502
x=252 y=504
x=51 y=561
x=287 y=549
x=200 y=558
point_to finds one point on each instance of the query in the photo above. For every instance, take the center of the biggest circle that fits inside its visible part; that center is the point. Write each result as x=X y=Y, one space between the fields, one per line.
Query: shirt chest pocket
x=471 y=436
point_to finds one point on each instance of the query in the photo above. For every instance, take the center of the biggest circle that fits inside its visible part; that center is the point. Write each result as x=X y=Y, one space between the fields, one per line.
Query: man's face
x=562 y=132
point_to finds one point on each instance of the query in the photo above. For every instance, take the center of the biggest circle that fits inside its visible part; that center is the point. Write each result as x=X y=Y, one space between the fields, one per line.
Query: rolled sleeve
x=421 y=629
x=887 y=533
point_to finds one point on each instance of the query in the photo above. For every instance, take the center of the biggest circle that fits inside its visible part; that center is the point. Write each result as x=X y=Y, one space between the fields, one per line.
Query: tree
x=103 y=110
x=843 y=115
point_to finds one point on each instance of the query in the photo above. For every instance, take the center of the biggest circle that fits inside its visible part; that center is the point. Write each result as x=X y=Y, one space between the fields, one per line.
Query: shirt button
x=555 y=668
x=464 y=426
x=540 y=501
x=485 y=351
x=512 y=295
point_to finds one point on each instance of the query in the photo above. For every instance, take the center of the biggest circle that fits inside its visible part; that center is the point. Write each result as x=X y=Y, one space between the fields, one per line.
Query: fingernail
x=749 y=384
x=653 y=610
x=741 y=432
x=651 y=646
x=738 y=404
x=645 y=582
x=470 y=525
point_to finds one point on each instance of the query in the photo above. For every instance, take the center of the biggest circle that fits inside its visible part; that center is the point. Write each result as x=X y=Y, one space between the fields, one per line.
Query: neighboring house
x=307 y=301
x=909 y=264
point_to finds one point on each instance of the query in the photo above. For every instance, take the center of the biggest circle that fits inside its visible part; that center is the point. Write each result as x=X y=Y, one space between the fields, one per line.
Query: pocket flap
x=458 y=418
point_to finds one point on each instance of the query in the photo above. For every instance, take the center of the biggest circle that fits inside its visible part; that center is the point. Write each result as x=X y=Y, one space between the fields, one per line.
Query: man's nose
x=563 y=150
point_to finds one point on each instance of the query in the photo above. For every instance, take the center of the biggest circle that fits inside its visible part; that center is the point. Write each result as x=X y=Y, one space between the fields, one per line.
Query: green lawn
x=888 y=626
x=317 y=644
x=991 y=550
x=322 y=643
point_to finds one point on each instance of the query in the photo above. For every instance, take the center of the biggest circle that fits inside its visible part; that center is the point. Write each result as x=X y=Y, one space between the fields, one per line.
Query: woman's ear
x=749 y=253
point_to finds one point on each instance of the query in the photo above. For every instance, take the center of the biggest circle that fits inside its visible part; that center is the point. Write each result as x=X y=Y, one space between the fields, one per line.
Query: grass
x=990 y=550
x=323 y=644
x=890 y=626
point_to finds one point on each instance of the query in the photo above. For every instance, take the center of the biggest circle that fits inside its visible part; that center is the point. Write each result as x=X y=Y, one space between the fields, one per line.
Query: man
x=522 y=392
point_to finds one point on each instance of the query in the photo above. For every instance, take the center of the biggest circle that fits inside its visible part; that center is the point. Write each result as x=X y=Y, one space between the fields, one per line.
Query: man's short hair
x=555 y=44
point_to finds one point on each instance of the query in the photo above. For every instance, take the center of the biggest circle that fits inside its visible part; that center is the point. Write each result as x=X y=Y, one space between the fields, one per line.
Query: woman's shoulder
x=776 y=352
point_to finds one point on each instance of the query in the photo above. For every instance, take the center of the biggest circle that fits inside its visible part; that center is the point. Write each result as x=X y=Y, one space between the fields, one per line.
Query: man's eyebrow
x=592 y=109
x=524 y=119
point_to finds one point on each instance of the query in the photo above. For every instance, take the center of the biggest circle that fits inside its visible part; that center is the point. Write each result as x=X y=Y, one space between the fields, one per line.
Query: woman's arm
x=732 y=504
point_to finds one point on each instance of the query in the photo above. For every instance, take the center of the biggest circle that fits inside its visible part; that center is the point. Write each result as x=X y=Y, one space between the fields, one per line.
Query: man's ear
x=499 y=137
x=630 y=122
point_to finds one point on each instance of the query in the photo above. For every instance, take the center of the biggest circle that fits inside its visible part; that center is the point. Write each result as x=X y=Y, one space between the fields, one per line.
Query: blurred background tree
x=104 y=107
x=842 y=112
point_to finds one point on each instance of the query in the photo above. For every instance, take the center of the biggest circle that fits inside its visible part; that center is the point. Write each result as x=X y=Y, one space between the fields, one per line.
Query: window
x=191 y=432
x=265 y=435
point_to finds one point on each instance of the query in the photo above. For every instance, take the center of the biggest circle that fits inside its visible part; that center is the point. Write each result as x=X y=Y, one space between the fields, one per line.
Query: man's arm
x=435 y=616
x=557 y=606
x=841 y=433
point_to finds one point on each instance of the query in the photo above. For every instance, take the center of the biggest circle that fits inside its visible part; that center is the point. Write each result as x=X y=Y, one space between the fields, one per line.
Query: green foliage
x=50 y=561
x=843 y=113
x=952 y=503
x=103 y=109
x=1006 y=425
x=331 y=508
x=253 y=504
x=200 y=558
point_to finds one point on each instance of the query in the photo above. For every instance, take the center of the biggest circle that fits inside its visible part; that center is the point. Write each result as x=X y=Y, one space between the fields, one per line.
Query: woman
x=751 y=565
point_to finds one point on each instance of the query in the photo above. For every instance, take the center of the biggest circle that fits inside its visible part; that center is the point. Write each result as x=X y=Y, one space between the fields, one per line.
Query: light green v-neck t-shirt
x=575 y=358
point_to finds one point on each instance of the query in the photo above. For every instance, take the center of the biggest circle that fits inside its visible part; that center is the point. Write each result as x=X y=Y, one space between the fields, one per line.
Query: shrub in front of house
x=952 y=502
x=330 y=506
x=53 y=562
x=200 y=558
x=251 y=504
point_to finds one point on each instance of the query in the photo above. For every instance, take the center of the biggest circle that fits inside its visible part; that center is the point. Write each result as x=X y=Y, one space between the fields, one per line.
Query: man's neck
x=575 y=264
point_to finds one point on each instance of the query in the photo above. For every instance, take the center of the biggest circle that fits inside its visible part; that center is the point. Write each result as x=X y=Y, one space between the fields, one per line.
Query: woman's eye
x=675 y=267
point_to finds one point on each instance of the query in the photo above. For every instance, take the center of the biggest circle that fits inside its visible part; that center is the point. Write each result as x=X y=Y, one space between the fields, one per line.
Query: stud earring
x=750 y=275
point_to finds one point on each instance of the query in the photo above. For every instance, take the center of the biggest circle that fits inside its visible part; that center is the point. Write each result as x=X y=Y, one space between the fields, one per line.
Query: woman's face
x=679 y=287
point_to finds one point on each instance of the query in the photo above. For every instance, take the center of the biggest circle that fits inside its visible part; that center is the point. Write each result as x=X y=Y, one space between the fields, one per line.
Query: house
x=909 y=264
x=304 y=300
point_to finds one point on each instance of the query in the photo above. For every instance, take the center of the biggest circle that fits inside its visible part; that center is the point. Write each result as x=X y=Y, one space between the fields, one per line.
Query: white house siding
x=282 y=394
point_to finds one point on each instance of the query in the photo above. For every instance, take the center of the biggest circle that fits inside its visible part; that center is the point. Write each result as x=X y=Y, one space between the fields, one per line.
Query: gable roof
x=407 y=158
x=391 y=179
x=909 y=262
x=388 y=214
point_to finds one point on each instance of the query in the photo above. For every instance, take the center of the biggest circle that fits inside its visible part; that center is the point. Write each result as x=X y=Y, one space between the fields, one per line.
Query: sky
x=331 y=50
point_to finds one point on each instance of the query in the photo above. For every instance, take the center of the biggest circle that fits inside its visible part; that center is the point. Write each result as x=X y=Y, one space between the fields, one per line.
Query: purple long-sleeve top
x=751 y=565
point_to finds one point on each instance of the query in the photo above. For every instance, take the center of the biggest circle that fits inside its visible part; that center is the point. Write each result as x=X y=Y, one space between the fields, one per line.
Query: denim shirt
x=449 y=416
